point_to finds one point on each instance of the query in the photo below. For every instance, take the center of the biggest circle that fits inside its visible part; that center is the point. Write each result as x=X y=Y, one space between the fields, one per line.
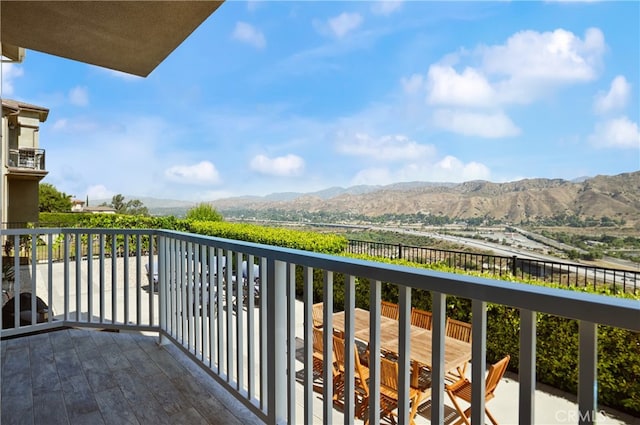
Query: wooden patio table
x=456 y=352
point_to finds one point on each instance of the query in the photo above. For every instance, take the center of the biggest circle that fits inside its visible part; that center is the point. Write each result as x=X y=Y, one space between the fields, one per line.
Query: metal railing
x=563 y=273
x=248 y=344
x=30 y=158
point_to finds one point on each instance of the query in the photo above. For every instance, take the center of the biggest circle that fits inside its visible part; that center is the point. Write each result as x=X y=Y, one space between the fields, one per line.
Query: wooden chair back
x=317 y=315
x=421 y=318
x=318 y=345
x=338 y=352
x=389 y=375
x=389 y=309
x=495 y=374
x=458 y=330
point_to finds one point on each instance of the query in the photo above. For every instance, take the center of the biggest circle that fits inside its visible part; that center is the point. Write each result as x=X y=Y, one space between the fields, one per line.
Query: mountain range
x=616 y=197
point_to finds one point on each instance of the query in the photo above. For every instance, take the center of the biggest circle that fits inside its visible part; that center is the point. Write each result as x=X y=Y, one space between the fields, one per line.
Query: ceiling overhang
x=128 y=36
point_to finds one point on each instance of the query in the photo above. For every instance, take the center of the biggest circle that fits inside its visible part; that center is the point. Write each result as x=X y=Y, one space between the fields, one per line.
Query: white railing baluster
x=251 y=343
x=114 y=278
x=438 y=302
x=34 y=261
x=307 y=295
x=125 y=257
x=527 y=366
x=50 y=276
x=101 y=278
x=349 y=347
x=587 y=372
x=89 y=277
x=265 y=282
x=239 y=323
x=404 y=350
x=479 y=359
x=327 y=335
x=374 y=347
x=66 y=277
x=291 y=337
x=277 y=341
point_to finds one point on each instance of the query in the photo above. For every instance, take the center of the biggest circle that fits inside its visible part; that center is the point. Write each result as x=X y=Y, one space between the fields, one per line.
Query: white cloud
x=288 y=165
x=447 y=87
x=488 y=125
x=201 y=173
x=344 y=23
x=247 y=33
x=448 y=169
x=616 y=133
x=526 y=67
x=385 y=148
x=558 y=56
x=385 y=7
x=615 y=98
x=99 y=192
x=79 y=96
x=9 y=73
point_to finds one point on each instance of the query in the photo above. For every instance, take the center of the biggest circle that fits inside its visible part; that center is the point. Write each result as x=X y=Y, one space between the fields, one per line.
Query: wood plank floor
x=83 y=377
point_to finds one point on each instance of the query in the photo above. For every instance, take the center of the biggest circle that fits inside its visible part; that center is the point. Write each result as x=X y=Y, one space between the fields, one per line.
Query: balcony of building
x=150 y=326
x=26 y=162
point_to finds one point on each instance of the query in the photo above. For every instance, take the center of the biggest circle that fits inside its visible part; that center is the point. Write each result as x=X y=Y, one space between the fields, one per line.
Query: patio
x=76 y=376
x=79 y=376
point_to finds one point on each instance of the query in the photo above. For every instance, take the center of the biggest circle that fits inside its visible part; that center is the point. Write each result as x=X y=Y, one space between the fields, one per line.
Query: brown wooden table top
x=456 y=352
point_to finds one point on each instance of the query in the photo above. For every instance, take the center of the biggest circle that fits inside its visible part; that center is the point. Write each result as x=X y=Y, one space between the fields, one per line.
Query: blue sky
x=277 y=96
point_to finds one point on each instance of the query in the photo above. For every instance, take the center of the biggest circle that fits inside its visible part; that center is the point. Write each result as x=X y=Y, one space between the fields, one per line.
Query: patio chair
x=421 y=318
x=462 y=390
x=318 y=360
x=361 y=375
x=389 y=309
x=153 y=278
x=389 y=393
x=461 y=331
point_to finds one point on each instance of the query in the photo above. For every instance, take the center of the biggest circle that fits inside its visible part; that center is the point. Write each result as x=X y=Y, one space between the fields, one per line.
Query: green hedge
x=308 y=241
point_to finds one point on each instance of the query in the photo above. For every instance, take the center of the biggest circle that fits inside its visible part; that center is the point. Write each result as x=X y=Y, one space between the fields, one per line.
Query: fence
x=563 y=273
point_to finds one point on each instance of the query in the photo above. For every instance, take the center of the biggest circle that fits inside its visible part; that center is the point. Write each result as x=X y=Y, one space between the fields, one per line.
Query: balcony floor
x=76 y=376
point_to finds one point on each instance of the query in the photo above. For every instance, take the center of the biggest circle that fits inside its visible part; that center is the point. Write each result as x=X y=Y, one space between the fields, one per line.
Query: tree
x=52 y=200
x=204 y=212
x=133 y=207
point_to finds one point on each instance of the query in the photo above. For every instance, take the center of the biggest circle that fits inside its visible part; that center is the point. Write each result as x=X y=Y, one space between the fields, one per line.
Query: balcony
x=26 y=159
x=224 y=349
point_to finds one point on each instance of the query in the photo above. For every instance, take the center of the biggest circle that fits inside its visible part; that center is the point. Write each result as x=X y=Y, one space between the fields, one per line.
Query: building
x=23 y=162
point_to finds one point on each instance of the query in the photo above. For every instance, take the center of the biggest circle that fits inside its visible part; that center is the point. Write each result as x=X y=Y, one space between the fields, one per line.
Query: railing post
x=479 y=358
x=527 y=367
x=587 y=372
x=277 y=341
x=514 y=259
x=162 y=287
x=399 y=250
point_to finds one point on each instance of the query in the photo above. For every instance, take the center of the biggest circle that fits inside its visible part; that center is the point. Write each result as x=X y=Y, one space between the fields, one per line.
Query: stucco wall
x=24 y=201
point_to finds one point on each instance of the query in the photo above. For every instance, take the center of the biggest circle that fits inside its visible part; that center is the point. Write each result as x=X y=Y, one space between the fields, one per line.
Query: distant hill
x=616 y=197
